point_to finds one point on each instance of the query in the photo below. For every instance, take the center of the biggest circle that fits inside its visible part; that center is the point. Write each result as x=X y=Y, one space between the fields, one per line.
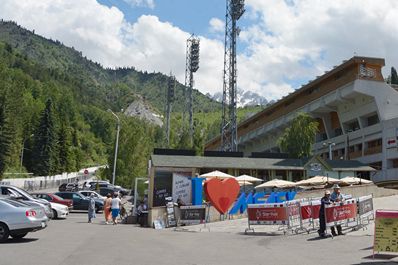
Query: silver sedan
x=17 y=219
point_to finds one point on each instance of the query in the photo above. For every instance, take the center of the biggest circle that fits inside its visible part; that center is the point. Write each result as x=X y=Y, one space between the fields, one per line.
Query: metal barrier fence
x=42 y=183
x=303 y=214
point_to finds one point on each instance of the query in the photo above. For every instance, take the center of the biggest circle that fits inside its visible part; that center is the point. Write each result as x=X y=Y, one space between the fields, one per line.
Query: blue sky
x=282 y=45
x=189 y=15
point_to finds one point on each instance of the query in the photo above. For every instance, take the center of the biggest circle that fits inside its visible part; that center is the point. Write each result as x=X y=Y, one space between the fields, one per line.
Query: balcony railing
x=373 y=150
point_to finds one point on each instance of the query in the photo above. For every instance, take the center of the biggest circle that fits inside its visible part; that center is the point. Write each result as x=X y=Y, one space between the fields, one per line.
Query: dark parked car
x=54 y=198
x=80 y=202
x=68 y=187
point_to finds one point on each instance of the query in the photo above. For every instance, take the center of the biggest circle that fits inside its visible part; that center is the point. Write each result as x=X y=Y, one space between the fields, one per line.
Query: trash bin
x=143 y=219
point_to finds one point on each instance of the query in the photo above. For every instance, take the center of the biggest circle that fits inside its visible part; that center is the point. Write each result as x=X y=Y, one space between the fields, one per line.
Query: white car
x=18 y=218
x=87 y=193
x=59 y=210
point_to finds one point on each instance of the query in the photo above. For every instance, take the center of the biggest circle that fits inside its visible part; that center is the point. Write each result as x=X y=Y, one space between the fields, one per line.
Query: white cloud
x=300 y=39
x=216 y=25
x=141 y=3
x=282 y=45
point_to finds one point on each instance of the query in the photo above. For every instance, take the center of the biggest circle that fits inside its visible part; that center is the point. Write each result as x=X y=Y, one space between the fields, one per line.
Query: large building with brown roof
x=356 y=109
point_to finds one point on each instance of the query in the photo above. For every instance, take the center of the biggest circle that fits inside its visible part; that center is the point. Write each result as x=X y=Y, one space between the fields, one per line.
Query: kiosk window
x=163 y=185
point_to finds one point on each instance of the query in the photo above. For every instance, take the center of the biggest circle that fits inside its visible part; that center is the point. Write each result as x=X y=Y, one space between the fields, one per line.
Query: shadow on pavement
x=376 y=263
x=19 y=241
x=381 y=256
x=319 y=238
x=260 y=234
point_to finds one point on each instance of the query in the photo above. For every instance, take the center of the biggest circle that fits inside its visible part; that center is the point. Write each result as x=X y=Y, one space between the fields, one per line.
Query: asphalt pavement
x=73 y=241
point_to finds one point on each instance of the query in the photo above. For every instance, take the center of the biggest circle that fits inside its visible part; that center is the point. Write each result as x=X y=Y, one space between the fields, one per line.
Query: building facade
x=357 y=113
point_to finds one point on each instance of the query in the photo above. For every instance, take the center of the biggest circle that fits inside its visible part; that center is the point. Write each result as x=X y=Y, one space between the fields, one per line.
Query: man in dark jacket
x=322 y=222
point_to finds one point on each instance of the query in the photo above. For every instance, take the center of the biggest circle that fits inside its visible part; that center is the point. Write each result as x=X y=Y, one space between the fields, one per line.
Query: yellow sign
x=386 y=231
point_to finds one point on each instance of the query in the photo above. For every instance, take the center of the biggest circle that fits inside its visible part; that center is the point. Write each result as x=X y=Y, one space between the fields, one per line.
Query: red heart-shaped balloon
x=221 y=193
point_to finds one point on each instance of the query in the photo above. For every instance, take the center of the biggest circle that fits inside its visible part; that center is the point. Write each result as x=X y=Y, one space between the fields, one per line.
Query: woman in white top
x=115 y=206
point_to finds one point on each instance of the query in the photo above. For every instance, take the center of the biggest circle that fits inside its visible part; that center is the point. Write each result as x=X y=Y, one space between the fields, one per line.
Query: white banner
x=182 y=187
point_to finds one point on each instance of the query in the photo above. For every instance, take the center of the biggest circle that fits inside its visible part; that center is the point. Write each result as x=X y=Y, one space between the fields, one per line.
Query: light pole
x=330 y=144
x=23 y=148
x=116 y=146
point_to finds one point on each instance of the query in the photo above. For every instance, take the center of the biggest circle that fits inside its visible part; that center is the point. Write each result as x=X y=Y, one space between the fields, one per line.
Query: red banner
x=267 y=214
x=337 y=213
x=309 y=211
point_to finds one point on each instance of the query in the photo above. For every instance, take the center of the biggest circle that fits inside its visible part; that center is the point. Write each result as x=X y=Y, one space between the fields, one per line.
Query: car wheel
x=55 y=214
x=18 y=236
x=4 y=232
x=97 y=209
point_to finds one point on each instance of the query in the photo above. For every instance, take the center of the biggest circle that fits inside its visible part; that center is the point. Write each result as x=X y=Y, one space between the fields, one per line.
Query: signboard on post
x=338 y=213
x=386 y=231
x=195 y=214
x=182 y=187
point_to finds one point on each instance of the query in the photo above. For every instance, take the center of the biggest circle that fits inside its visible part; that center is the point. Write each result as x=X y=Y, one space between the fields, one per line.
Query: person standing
x=322 y=222
x=107 y=208
x=116 y=204
x=91 y=208
x=336 y=197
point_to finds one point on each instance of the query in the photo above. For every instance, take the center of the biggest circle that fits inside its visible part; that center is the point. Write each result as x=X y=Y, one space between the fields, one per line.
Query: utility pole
x=192 y=65
x=330 y=144
x=116 y=146
x=170 y=99
x=229 y=137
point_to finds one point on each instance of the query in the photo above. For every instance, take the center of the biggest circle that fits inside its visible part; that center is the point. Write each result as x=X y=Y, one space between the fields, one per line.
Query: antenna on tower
x=229 y=137
x=192 y=65
x=169 y=104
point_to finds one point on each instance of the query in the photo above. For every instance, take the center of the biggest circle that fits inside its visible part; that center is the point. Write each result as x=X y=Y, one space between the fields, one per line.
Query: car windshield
x=24 y=193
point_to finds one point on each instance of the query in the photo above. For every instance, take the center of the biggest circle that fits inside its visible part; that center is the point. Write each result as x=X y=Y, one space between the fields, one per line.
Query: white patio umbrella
x=248 y=178
x=355 y=180
x=245 y=183
x=276 y=183
x=317 y=180
x=216 y=174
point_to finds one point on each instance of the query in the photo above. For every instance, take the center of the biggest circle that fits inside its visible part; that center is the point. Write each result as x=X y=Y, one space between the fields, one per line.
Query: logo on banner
x=335 y=214
x=315 y=167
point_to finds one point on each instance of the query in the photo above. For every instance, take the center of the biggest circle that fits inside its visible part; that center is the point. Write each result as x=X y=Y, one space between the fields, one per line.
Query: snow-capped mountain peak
x=244 y=98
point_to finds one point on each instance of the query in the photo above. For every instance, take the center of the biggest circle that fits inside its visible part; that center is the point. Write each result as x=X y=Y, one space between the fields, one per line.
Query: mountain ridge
x=116 y=88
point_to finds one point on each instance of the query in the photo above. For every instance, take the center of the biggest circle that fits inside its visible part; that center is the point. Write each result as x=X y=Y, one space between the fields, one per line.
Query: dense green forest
x=53 y=110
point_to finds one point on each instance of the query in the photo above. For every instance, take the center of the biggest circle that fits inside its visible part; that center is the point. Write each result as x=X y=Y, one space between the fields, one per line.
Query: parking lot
x=74 y=241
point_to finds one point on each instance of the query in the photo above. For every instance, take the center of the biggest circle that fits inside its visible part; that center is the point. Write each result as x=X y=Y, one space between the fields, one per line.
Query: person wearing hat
x=336 y=197
x=322 y=222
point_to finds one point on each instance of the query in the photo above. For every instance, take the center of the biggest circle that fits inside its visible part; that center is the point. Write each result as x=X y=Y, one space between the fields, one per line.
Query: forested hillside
x=53 y=110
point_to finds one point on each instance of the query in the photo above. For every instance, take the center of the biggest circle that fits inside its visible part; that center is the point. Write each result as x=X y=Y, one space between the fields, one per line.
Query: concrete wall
x=355 y=191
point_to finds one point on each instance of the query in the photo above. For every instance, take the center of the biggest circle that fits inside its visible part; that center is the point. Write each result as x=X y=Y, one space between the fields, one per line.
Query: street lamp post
x=330 y=144
x=116 y=146
x=23 y=148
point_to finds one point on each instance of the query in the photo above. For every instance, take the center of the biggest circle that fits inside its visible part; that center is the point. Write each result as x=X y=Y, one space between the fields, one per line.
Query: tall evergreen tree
x=65 y=144
x=394 y=76
x=45 y=142
x=6 y=134
x=297 y=140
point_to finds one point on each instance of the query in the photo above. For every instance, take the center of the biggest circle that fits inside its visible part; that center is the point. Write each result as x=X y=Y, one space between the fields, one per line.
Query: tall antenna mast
x=192 y=65
x=169 y=103
x=229 y=137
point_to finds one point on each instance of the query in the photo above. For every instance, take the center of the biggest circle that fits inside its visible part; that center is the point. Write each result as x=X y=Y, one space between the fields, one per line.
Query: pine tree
x=394 y=76
x=45 y=142
x=65 y=156
x=6 y=134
